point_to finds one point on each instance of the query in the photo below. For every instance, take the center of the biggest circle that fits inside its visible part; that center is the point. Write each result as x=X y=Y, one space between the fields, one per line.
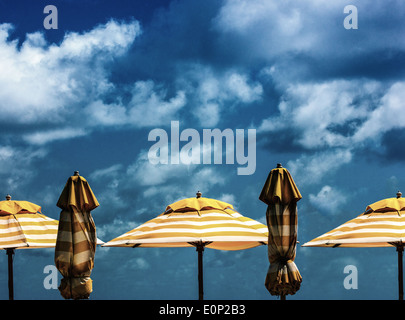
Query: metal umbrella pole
x=400 y=250
x=200 y=250
x=10 y=253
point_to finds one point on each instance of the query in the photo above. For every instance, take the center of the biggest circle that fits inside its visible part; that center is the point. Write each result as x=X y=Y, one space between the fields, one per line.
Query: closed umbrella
x=281 y=194
x=382 y=224
x=76 y=240
x=23 y=226
x=199 y=222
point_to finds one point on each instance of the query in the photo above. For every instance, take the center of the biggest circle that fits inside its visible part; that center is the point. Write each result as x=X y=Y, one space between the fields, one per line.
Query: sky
x=323 y=93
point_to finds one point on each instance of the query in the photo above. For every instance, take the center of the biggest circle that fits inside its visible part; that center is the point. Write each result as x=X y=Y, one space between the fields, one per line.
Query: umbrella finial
x=198 y=194
x=399 y=194
x=8 y=197
x=279 y=165
x=76 y=173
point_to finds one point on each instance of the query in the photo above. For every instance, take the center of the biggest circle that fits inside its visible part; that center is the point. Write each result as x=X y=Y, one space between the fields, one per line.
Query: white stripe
x=10 y=230
x=7 y=221
x=41 y=236
x=362 y=231
x=197 y=231
x=199 y=223
x=372 y=222
x=13 y=238
x=38 y=219
x=40 y=228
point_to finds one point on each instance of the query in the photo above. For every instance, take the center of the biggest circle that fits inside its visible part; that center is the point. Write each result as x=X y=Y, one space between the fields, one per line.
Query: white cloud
x=309 y=169
x=214 y=93
x=329 y=118
x=42 y=82
x=149 y=108
x=44 y=137
x=109 y=40
x=271 y=28
x=110 y=172
x=315 y=110
x=328 y=199
x=149 y=175
x=16 y=167
x=238 y=88
x=115 y=228
x=387 y=116
x=228 y=198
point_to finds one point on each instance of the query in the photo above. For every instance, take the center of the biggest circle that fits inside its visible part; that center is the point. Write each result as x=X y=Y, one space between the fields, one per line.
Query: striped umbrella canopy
x=76 y=239
x=23 y=226
x=382 y=224
x=196 y=222
x=281 y=195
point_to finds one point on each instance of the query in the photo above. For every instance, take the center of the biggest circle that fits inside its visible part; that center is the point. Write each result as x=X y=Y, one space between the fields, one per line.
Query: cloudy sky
x=325 y=101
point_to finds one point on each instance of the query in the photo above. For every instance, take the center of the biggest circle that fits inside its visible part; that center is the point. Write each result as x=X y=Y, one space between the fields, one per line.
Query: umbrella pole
x=10 y=253
x=200 y=250
x=400 y=249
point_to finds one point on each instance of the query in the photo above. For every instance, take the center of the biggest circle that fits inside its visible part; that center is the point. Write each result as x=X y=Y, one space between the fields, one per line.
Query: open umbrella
x=382 y=224
x=199 y=222
x=76 y=240
x=23 y=226
x=281 y=195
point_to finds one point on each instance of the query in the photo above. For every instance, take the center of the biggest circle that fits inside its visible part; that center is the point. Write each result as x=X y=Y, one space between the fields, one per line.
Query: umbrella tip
x=399 y=194
x=76 y=173
x=8 y=197
x=279 y=165
x=198 y=194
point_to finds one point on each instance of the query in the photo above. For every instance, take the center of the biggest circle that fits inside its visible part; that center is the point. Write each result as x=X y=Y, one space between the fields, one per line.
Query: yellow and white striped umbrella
x=193 y=220
x=382 y=224
x=22 y=226
x=199 y=222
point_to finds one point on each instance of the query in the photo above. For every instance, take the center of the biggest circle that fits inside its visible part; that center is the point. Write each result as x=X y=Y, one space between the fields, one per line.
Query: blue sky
x=325 y=101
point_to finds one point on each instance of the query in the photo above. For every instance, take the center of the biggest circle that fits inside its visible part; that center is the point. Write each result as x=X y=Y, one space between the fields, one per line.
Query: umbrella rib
x=196 y=243
x=396 y=244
